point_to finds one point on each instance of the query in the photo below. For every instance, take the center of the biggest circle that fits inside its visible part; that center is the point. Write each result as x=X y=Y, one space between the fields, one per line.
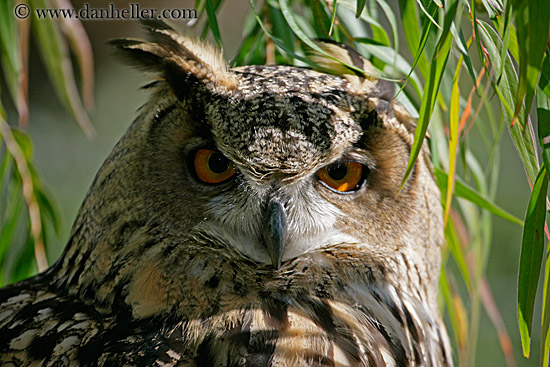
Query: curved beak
x=275 y=234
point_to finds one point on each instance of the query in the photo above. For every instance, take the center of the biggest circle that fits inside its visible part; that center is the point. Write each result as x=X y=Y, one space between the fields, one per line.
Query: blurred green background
x=68 y=161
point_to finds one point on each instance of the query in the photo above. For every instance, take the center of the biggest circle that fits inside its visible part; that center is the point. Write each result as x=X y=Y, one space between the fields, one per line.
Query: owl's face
x=252 y=216
x=257 y=165
x=286 y=163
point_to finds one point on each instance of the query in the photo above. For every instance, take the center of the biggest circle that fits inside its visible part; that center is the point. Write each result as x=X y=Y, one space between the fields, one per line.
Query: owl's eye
x=343 y=176
x=212 y=167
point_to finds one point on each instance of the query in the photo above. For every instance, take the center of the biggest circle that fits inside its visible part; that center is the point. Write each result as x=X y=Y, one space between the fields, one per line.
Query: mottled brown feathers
x=180 y=60
x=270 y=267
x=361 y=77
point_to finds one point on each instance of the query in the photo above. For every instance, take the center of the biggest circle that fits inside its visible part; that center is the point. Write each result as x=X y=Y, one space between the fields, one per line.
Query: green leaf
x=457 y=252
x=418 y=52
x=290 y=19
x=544 y=82
x=506 y=29
x=437 y=67
x=463 y=47
x=532 y=249
x=9 y=54
x=54 y=52
x=277 y=40
x=427 y=13
x=213 y=22
x=453 y=139
x=333 y=16
x=322 y=15
x=393 y=23
x=47 y=209
x=545 y=324
x=451 y=306
x=532 y=19
x=416 y=43
x=25 y=264
x=250 y=50
x=10 y=57
x=466 y=192
x=388 y=56
x=12 y=215
x=349 y=4
x=360 y=6
x=543 y=114
x=493 y=7
x=292 y=23
x=506 y=88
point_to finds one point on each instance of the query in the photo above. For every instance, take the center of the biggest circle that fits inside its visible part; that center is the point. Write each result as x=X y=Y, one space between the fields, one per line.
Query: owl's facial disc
x=274 y=220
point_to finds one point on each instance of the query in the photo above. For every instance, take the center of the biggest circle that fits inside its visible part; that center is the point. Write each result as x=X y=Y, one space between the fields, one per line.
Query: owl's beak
x=275 y=233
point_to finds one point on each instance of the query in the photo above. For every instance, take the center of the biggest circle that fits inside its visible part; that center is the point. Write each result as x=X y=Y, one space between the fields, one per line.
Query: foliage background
x=64 y=160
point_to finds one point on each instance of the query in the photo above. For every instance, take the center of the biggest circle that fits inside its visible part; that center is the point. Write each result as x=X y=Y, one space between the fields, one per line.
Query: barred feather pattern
x=366 y=323
x=305 y=315
x=163 y=270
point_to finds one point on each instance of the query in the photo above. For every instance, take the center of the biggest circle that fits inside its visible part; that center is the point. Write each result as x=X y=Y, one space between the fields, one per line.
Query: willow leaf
x=532 y=19
x=429 y=97
x=506 y=89
x=453 y=139
x=360 y=6
x=55 y=53
x=466 y=192
x=532 y=249
x=545 y=323
x=213 y=22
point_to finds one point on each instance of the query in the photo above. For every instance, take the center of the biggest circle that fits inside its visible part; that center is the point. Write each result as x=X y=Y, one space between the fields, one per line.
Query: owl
x=250 y=216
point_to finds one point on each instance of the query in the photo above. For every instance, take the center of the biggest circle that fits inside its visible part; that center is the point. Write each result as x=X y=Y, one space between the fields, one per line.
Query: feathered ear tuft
x=365 y=83
x=182 y=62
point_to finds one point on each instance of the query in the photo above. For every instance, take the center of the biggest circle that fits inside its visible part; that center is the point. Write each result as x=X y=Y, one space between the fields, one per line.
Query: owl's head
x=260 y=163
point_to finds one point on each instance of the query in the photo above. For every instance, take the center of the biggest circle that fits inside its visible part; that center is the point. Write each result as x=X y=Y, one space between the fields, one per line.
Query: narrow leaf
x=532 y=248
x=544 y=82
x=418 y=51
x=409 y=18
x=290 y=18
x=506 y=88
x=54 y=52
x=333 y=17
x=80 y=45
x=453 y=139
x=466 y=192
x=8 y=227
x=213 y=22
x=360 y=6
x=12 y=42
x=543 y=114
x=431 y=89
x=457 y=252
x=277 y=40
x=545 y=324
x=427 y=14
x=532 y=19
x=457 y=313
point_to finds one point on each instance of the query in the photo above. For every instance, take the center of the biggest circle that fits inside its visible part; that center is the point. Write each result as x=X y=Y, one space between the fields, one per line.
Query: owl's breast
x=306 y=314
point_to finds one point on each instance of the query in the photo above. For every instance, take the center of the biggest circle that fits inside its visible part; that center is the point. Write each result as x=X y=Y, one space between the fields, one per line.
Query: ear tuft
x=365 y=83
x=182 y=62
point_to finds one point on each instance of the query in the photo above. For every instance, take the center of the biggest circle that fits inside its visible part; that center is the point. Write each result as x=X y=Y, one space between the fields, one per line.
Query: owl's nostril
x=275 y=234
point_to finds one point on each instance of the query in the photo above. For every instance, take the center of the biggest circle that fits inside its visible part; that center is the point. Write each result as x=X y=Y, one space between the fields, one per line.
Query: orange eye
x=212 y=167
x=342 y=176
